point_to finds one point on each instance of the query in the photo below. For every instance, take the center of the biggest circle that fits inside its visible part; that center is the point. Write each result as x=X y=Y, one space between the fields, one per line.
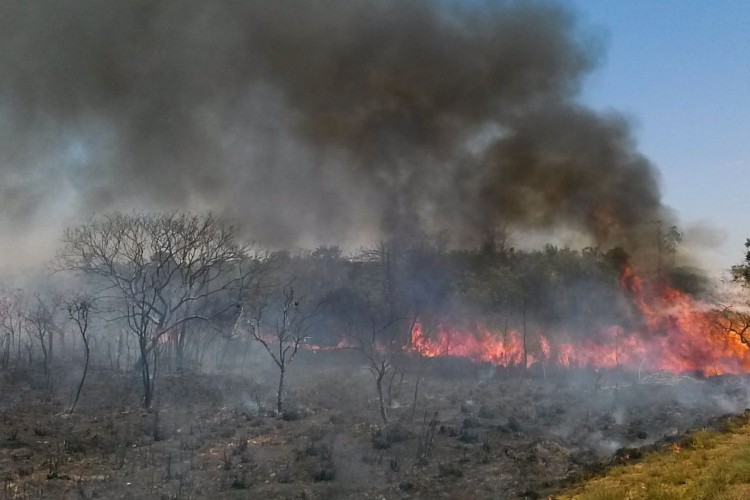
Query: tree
x=741 y=272
x=378 y=313
x=378 y=335
x=13 y=321
x=41 y=324
x=735 y=319
x=78 y=312
x=672 y=239
x=158 y=272
x=667 y=242
x=280 y=324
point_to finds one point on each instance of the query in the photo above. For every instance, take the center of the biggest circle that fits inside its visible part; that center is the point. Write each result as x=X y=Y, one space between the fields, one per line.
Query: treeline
x=169 y=292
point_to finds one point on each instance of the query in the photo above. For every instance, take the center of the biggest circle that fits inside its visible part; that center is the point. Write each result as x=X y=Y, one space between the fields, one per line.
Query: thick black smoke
x=314 y=120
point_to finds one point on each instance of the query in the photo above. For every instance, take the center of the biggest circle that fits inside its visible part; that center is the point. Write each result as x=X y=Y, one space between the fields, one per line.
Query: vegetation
x=156 y=274
x=742 y=271
x=175 y=291
x=708 y=464
x=284 y=368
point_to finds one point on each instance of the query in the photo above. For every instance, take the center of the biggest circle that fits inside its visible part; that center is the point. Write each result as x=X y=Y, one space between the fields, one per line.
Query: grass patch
x=707 y=464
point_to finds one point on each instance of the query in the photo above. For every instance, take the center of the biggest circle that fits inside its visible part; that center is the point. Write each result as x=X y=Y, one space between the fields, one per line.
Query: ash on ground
x=475 y=431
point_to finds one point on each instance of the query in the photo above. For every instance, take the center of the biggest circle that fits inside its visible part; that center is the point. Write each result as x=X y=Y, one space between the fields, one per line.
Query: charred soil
x=475 y=432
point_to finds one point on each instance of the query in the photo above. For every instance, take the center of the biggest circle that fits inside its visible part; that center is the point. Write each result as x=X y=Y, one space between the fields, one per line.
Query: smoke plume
x=322 y=120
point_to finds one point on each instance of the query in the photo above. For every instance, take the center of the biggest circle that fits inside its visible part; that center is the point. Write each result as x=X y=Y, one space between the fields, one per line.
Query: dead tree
x=375 y=313
x=389 y=315
x=40 y=321
x=159 y=271
x=13 y=321
x=78 y=312
x=281 y=329
x=382 y=345
x=380 y=337
x=735 y=321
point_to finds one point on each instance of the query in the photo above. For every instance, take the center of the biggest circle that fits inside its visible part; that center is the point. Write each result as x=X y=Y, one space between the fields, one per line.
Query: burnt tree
x=280 y=323
x=13 y=321
x=157 y=272
x=78 y=312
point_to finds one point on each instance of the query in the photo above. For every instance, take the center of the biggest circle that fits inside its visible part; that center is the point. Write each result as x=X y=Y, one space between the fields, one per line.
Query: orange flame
x=678 y=334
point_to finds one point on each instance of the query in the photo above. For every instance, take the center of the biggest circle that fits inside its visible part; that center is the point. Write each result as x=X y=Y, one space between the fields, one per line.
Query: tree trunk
x=154 y=366
x=45 y=354
x=280 y=393
x=19 y=356
x=51 y=345
x=83 y=378
x=6 y=351
x=180 y=348
x=416 y=386
x=145 y=374
x=381 y=400
x=147 y=396
x=525 y=356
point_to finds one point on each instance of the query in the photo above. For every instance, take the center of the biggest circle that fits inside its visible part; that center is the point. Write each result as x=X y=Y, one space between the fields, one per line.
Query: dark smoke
x=314 y=120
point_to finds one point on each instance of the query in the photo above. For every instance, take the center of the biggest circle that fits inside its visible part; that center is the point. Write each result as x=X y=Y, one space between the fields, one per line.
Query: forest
x=174 y=318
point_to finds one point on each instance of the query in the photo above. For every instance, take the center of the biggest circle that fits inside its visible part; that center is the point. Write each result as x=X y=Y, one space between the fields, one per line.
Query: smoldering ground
x=505 y=436
x=315 y=121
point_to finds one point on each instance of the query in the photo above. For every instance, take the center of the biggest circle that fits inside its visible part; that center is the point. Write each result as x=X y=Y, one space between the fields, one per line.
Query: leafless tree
x=383 y=328
x=383 y=345
x=13 y=323
x=281 y=327
x=379 y=336
x=41 y=324
x=78 y=312
x=735 y=321
x=159 y=272
x=375 y=314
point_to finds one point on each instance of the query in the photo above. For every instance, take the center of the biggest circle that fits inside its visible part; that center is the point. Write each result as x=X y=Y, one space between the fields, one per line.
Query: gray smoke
x=318 y=120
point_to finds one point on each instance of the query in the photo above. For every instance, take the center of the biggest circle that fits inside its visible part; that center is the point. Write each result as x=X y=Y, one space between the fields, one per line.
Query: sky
x=680 y=71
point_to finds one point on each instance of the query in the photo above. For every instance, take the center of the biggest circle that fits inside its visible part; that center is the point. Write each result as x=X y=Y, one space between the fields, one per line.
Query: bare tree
x=389 y=315
x=41 y=324
x=382 y=345
x=281 y=328
x=735 y=321
x=78 y=311
x=380 y=337
x=13 y=323
x=159 y=272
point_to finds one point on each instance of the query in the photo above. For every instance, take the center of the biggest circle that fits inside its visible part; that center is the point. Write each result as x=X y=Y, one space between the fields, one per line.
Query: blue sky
x=680 y=71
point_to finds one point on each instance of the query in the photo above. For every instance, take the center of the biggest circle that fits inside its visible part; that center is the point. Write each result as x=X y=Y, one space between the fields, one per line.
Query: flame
x=342 y=344
x=676 y=333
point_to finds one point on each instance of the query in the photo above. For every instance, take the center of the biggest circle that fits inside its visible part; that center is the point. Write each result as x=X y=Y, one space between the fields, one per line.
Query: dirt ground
x=475 y=432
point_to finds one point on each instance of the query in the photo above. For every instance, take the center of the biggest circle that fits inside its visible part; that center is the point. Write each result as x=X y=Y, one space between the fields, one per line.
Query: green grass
x=707 y=465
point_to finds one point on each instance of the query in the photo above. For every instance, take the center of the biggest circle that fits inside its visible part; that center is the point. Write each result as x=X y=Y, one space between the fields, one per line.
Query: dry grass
x=708 y=465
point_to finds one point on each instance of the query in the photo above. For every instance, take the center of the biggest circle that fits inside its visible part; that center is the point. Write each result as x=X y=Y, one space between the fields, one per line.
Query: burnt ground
x=474 y=433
